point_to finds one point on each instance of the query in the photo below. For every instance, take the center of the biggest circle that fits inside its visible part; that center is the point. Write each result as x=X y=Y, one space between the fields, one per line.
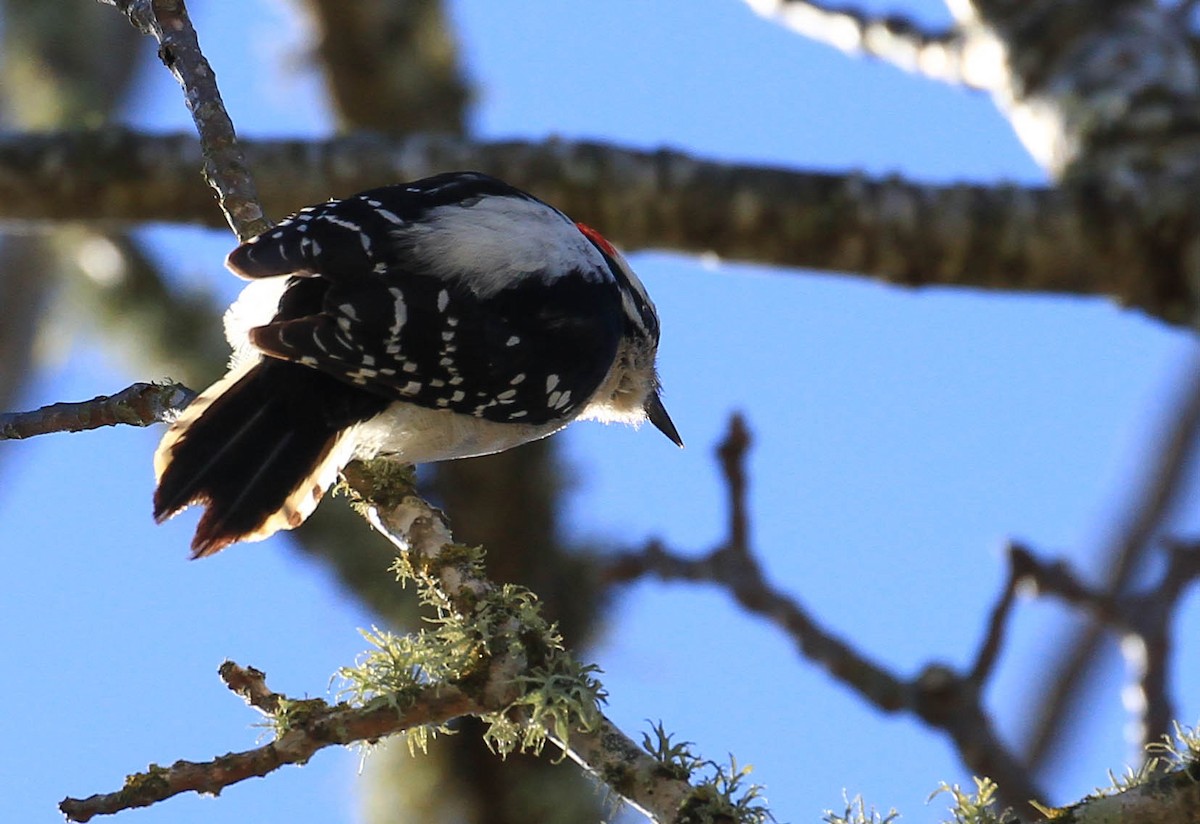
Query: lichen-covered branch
x=224 y=166
x=940 y=55
x=1073 y=241
x=421 y=534
x=304 y=727
x=492 y=656
x=138 y=405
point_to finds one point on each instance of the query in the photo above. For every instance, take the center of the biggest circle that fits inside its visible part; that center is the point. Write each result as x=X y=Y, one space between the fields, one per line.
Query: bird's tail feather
x=259 y=448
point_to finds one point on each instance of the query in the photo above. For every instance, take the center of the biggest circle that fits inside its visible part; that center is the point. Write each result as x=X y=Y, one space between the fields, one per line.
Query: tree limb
x=1067 y=240
x=1147 y=505
x=1143 y=620
x=312 y=725
x=304 y=727
x=138 y=405
x=390 y=65
x=939 y=55
x=225 y=168
x=943 y=698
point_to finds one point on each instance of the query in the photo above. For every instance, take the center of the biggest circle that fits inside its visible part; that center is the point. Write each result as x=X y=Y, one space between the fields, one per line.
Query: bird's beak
x=657 y=413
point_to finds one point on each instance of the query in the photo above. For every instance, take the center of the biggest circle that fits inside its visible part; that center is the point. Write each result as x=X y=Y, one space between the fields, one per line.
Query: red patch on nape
x=595 y=237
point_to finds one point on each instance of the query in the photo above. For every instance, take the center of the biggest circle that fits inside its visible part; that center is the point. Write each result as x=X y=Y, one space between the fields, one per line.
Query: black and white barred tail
x=258 y=449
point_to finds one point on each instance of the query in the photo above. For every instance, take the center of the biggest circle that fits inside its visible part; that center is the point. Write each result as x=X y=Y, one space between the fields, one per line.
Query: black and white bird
x=444 y=318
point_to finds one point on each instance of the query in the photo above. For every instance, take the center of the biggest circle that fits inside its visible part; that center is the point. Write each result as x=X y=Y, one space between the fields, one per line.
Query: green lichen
x=1182 y=749
x=726 y=795
x=554 y=696
x=146 y=784
x=856 y=812
x=676 y=759
x=560 y=698
x=380 y=482
x=977 y=807
x=296 y=713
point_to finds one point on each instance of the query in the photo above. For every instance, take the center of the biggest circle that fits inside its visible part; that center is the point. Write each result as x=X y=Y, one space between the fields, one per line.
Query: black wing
x=360 y=310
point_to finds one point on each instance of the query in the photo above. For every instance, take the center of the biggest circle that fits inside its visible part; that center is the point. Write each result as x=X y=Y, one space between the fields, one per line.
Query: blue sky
x=901 y=436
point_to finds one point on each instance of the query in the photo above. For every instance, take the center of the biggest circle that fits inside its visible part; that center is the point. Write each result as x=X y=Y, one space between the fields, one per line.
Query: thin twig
x=1148 y=506
x=940 y=696
x=251 y=684
x=993 y=639
x=225 y=167
x=141 y=404
x=1143 y=620
x=732 y=453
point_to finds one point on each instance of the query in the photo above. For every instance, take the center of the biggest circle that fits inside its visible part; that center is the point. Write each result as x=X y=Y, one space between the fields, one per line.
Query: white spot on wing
x=345 y=224
x=401 y=310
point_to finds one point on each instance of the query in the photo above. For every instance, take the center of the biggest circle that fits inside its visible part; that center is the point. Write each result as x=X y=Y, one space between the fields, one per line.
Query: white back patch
x=487 y=245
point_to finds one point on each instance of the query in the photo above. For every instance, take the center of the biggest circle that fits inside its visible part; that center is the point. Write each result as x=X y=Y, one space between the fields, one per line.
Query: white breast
x=416 y=434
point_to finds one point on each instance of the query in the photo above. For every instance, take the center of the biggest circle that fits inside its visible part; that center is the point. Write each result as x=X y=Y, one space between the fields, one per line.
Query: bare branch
x=1065 y=240
x=251 y=684
x=941 y=697
x=993 y=640
x=1147 y=506
x=1143 y=619
x=225 y=168
x=138 y=405
x=939 y=55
